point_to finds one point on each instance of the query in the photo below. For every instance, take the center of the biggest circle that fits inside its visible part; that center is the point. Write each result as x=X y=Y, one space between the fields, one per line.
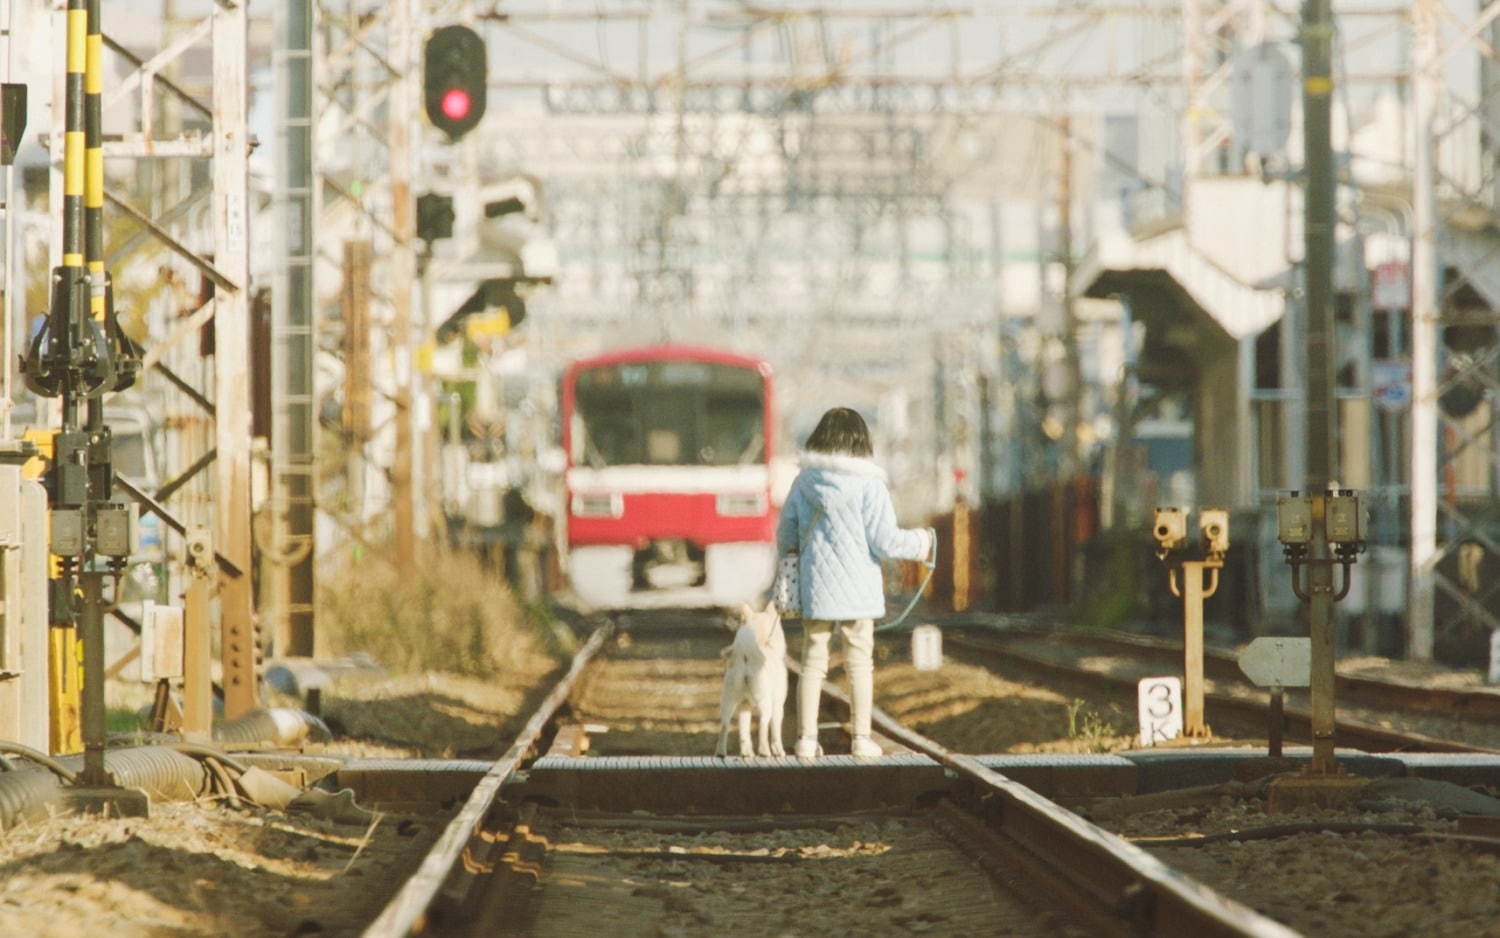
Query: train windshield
x=669 y=413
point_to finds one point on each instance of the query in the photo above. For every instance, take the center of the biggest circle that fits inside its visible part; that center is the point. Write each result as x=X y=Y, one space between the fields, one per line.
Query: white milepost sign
x=927 y=648
x=1277 y=662
x=1161 y=709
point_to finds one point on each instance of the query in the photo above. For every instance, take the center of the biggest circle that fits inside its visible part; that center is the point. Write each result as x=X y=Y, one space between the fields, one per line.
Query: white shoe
x=863 y=747
x=807 y=748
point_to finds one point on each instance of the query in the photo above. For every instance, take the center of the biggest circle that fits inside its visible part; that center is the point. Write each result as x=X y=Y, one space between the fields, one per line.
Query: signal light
x=434 y=216
x=456 y=104
x=454 y=72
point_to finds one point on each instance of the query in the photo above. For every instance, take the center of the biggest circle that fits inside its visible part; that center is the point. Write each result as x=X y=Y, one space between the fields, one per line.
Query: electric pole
x=1424 y=323
x=1317 y=96
x=403 y=261
x=1073 y=406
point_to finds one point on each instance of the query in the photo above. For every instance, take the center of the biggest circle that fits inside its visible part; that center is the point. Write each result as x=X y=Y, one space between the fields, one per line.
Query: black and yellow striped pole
x=69 y=479
x=93 y=160
x=100 y=460
x=74 y=145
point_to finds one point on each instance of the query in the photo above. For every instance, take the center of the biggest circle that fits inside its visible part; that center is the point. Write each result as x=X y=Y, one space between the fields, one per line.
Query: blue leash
x=931 y=566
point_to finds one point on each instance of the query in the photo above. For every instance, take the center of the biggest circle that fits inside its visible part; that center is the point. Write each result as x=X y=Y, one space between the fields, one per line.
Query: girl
x=839 y=517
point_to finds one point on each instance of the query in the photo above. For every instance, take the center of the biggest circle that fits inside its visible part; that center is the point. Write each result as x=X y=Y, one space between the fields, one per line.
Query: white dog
x=755 y=676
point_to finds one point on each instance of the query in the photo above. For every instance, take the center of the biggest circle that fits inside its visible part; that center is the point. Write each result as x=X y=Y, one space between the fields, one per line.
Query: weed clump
x=452 y=615
x=1098 y=730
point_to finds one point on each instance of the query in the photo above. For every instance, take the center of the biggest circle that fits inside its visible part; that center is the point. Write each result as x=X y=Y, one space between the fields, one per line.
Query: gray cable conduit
x=280 y=726
x=34 y=755
x=170 y=771
x=31 y=795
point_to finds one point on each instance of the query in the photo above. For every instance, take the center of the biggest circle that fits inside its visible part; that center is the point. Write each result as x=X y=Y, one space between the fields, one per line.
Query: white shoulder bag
x=786 y=590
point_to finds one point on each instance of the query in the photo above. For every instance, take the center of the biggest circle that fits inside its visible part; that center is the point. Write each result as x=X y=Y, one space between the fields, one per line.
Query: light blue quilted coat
x=842 y=546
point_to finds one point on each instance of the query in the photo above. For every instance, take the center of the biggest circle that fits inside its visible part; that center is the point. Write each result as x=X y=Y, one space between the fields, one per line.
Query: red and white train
x=669 y=478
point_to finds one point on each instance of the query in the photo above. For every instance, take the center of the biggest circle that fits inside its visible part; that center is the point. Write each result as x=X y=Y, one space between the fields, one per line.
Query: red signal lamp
x=456 y=104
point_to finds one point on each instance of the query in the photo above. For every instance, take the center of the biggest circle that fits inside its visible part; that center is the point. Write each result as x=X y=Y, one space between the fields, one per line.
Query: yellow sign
x=65 y=681
x=496 y=325
x=36 y=466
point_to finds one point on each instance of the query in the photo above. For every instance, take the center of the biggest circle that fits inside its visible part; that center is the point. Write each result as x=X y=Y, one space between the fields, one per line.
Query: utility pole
x=1323 y=526
x=239 y=647
x=1424 y=316
x=1073 y=407
x=1317 y=96
x=402 y=117
x=355 y=303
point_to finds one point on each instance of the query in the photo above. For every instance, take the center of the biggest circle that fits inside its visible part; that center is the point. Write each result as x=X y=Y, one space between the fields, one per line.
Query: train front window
x=670 y=414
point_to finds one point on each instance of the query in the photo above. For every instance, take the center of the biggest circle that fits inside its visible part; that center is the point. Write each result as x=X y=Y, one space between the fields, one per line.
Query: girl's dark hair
x=841 y=431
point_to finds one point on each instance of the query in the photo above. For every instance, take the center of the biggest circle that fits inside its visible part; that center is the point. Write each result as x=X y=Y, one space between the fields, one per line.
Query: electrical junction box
x=67 y=532
x=116 y=530
x=162 y=633
x=1344 y=519
x=1293 y=519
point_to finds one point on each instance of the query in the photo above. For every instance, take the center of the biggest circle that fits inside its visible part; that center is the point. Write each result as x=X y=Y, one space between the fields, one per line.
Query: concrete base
x=110 y=802
x=1291 y=792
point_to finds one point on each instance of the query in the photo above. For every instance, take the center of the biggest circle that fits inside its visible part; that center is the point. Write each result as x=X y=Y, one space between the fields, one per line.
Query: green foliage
x=1113 y=593
x=1090 y=726
x=124 y=720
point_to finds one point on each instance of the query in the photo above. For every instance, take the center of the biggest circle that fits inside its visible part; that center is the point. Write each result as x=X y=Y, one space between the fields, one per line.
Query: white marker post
x=1160 y=704
x=927 y=647
x=1277 y=663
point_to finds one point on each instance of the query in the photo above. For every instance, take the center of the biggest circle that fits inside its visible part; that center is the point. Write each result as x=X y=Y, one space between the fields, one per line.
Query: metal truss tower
x=294 y=338
x=369 y=136
x=793 y=180
x=1454 y=346
x=206 y=231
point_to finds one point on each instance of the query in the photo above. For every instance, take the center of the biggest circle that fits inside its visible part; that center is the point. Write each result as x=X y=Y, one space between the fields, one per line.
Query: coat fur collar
x=838 y=462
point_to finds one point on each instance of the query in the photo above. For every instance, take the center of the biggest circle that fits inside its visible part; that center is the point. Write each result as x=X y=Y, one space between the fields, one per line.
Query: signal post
x=1170 y=531
x=1323 y=527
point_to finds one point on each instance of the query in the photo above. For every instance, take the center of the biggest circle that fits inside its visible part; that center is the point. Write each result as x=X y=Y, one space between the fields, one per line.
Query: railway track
x=1246 y=706
x=553 y=842
x=1476 y=702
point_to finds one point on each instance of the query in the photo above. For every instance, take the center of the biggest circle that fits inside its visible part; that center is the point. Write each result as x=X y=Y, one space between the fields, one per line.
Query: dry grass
x=453 y=615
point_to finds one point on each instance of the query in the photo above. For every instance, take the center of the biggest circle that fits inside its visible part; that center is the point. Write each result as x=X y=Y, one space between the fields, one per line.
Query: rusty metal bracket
x=161 y=511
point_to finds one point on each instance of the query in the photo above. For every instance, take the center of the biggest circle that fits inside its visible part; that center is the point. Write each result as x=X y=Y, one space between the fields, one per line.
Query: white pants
x=859 y=662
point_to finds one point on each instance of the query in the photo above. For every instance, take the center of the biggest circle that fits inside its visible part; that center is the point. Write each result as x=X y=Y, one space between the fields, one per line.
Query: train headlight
x=742 y=504
x=608 y=505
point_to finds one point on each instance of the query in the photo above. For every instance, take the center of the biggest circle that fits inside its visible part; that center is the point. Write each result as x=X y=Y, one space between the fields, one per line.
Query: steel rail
x=1121 y=881
x=1008 y=827
x=1234 y=709
x=407 y=910
x=1369 y=691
